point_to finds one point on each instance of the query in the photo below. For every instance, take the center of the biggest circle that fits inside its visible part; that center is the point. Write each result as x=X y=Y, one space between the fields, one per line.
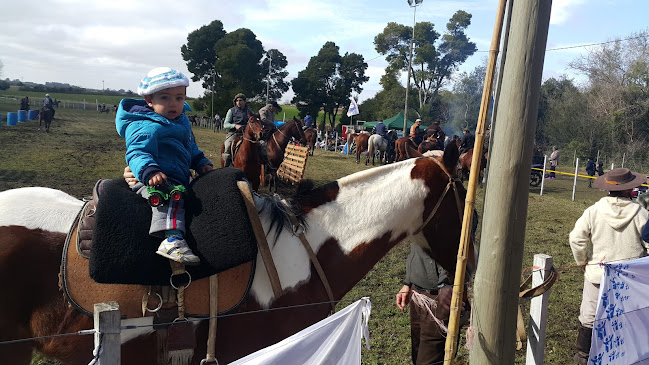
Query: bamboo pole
x=469 y=204
x=496 y=284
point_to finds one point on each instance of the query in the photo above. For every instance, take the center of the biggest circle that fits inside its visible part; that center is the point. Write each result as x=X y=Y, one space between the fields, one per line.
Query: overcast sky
x=113 y=43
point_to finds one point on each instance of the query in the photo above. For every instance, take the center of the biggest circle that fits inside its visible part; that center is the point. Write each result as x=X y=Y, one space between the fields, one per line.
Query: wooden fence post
x=107 y=333
x=538 y=312
x=574 y=184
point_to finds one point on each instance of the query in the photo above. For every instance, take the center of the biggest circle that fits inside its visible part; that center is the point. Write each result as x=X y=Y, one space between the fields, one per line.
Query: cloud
x=563 y=10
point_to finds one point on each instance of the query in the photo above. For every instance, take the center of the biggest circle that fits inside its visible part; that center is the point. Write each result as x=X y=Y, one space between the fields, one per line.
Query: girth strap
x=262 y=243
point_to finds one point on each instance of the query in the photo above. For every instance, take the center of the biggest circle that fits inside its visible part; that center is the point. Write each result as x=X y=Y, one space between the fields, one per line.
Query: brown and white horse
x=345 y=226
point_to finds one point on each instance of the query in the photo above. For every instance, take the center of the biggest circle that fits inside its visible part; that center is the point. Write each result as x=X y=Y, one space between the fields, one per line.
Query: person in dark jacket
x=381 y=129
x=590 y=170
x=466 y=141
x=160 y=149
x=235 y=122
x=600 y=169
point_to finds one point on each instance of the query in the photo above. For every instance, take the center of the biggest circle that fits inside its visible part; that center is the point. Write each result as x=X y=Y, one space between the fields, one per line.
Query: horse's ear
x=451 y=156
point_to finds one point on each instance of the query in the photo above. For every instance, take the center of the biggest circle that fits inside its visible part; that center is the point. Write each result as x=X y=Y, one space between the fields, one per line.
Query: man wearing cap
x=414 y=132
x=48 y=103
x=235 y=122
x=436 y=131
x=267 y=115
x=466 y=141
x=608 y=231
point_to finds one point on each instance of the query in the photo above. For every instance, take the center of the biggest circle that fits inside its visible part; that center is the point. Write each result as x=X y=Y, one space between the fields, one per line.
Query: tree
x=467 y=97
x=278 y=73
x=327 y=82
x=231 y=63
x=432 y=66
x=387 y=102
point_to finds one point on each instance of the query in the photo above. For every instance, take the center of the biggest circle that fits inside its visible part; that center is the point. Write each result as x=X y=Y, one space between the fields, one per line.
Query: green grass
x=83 y=147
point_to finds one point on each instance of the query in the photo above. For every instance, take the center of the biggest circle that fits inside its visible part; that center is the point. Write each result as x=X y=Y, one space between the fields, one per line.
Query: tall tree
x=434 y=59
x=327 y=82
x=230 y=63
x=277 y=74
x=465 y=106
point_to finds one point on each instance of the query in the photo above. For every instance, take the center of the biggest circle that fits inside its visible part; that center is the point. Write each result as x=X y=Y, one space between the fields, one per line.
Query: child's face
x=168 y=102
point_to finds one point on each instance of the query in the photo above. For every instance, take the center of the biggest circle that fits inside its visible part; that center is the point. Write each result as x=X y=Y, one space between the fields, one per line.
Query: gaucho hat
x=619 y=179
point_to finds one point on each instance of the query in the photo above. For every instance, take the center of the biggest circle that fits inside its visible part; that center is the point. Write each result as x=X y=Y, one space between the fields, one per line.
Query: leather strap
x=299 y=232
x=262 y=243
x=211 y=338
x=553 y=275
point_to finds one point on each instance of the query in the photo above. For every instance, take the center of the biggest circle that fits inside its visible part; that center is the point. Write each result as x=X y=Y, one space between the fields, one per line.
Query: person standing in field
x=608 y=231
x=554 y=162
x=590 y=170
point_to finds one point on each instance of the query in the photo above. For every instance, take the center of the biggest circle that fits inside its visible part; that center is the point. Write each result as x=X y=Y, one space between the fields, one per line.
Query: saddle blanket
x=218 y=231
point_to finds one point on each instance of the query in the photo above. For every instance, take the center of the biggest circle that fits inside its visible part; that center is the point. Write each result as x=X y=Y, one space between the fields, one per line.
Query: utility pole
x=412 y=4
x=102 y=86
x=270 y=60
x=213 y=79
x=497 y=279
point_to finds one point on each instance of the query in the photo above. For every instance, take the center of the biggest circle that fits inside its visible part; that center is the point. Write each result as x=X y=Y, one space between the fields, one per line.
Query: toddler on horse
x=160 y=149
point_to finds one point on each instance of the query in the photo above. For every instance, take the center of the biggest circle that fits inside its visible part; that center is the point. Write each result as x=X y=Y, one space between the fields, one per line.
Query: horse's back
x=38 y=207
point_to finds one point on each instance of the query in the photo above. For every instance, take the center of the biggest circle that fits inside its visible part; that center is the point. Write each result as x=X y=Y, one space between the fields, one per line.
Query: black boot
x=583 y=345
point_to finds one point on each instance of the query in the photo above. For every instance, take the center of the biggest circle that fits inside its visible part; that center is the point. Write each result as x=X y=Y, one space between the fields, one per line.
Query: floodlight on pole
x=412 y=4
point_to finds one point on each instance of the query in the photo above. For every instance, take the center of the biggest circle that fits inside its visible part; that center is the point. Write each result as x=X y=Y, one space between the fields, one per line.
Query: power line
x=589 y=44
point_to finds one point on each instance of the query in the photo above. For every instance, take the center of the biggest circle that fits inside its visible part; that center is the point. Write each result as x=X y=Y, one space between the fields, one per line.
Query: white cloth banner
x=334 y=340
x=353 y=108
x=620 y=333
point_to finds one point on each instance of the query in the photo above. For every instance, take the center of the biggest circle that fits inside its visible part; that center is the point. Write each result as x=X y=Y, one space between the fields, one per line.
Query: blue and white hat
x=161 y=78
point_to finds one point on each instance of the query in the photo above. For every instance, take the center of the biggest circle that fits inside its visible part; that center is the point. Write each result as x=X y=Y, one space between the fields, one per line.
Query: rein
x=451 y=183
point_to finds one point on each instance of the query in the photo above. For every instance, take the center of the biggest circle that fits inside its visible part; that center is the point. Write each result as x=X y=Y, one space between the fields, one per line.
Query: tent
x=395 y=122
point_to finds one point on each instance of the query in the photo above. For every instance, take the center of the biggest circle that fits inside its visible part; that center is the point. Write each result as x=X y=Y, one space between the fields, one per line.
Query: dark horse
x=45 y=115
x=246 y=154
x=466 y=159
x=276 y=145
x=311 y=138
x=31 y=247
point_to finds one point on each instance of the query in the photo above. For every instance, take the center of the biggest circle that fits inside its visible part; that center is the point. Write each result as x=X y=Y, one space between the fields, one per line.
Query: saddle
x=139 y=293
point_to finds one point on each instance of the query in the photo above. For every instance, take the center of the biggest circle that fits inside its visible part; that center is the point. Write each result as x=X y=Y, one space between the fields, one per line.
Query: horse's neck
x=351 y=225
x=282 y=137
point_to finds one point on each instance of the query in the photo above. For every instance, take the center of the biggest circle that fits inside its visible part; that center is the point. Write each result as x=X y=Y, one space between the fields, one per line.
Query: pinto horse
x=346 y=230
x=247 y=157
x=45 y=116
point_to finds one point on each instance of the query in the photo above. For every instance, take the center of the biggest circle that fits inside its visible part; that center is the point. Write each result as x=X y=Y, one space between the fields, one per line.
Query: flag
x=353 y=108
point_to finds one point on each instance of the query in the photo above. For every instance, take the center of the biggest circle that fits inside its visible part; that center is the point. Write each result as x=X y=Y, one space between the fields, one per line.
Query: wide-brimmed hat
x=619 y=179
x=276 y=106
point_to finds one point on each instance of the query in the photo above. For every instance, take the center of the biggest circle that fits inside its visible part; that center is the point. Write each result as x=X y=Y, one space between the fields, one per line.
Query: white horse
x=379 y=144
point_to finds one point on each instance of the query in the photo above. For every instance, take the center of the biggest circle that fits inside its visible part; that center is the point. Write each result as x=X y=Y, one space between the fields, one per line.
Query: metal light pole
x=270 y=60
x=213 y=78
x=102 y=86
x=412 y=4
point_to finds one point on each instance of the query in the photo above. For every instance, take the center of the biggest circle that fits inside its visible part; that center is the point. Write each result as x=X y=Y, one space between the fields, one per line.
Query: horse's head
x=254 y=129
x=442 y=231
x=297 y=130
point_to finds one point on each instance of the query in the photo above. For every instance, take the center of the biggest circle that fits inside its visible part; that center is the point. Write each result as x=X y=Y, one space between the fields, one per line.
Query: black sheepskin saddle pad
x=219 y=231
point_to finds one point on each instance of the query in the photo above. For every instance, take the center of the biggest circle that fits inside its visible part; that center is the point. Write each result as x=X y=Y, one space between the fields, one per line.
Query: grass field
x=83 y=147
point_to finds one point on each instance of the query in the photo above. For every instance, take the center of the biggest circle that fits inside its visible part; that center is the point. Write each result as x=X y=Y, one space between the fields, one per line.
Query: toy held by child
x=160 y=149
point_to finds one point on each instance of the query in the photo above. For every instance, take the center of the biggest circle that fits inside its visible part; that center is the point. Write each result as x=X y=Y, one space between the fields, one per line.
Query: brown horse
x=30 y=260
x=362 y=144
x=429 y=144
x=403 y=147
x=466 y=159
x=45 y=116
x=246 y=154
x=311 y=138
x=276 y=145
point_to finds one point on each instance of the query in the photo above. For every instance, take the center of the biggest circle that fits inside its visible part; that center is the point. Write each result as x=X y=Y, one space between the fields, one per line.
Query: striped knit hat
x=161 y=78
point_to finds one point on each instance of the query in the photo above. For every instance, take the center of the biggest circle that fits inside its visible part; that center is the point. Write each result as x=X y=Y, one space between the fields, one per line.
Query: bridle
x=299 y=131
x=244 y=134
x=452 y=182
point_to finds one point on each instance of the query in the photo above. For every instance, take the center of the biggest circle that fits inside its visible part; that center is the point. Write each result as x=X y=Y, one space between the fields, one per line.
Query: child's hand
x=157 y=179
x=205 y=169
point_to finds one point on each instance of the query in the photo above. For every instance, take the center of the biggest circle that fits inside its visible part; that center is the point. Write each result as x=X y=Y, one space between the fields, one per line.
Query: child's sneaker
x=176 y=249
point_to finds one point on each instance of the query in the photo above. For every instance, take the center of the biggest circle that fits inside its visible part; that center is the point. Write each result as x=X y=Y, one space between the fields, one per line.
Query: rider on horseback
x=267 y=116
x=235 y=122
x=414 y=132
x=48 y=103
x=160 y=149
x=467 y=140
x=308 y=121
